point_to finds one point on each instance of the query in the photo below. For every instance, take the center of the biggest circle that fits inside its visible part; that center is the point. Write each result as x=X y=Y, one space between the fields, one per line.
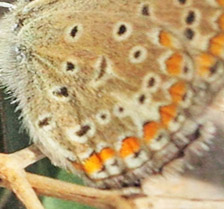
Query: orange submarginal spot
x=221 y=22
x=165 y=39
x=174 y=64
x=217 y=45
x=106 y=154
x=204 y=64
x=130 y=145
x=150 y=130
x=177 y=91
x=92 y=164
x=168 y=113
x=220 y=2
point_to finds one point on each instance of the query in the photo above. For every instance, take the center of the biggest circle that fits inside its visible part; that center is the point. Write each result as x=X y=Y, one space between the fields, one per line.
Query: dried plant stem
x=13 y=175
x=86 y=195
x=68 y=191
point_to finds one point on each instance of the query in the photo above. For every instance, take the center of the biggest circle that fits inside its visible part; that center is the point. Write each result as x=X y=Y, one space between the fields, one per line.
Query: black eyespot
x=145 y=10
x=142 y=99
x=121 y=109
x=159 y=138
x=122 y=29
x=214 y=68
x=61 y=92
x=151 y=82
x=70 y=66
x=186 y=69
x=189 y=33
x=103 y=116
x=83 y=130
x=182 y=1
x=136 y=154
x=137 y=54
x=190 y=17
x=44 y=122
x=185 y=96
x=74 y=31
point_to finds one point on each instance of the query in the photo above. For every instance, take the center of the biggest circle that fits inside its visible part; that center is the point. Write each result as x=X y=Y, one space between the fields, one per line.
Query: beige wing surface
x=113 y=90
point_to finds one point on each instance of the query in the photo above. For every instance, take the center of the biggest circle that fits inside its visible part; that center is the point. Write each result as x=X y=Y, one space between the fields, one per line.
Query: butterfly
x=113 y=90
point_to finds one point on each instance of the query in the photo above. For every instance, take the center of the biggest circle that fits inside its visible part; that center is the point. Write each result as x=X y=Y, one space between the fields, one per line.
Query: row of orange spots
x=131 y=145
x=174 y=64
x=217 y=45
x=177 y=91
x=95 y=162
x=204 y=63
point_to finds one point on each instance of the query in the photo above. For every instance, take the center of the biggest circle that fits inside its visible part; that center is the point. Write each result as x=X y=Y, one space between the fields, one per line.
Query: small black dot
x=136 y=154
x=70 y=66
x=151 y=82
x=103 y=116
x=159 y=137
x=63 y=91
x=189 y=33
x=182 y=1
x=214 y=68
x=142 y=99
x=122 y=30
x=74 y=31
x=186 y=69
x=44 y=122
x=184 y=97
x=121 y=109
x=83 y=130
x=137 y=54
x=190 y=17
x=145 y=10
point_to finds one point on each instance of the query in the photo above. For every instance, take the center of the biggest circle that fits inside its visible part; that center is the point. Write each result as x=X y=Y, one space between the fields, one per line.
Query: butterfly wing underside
x=114 y=90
